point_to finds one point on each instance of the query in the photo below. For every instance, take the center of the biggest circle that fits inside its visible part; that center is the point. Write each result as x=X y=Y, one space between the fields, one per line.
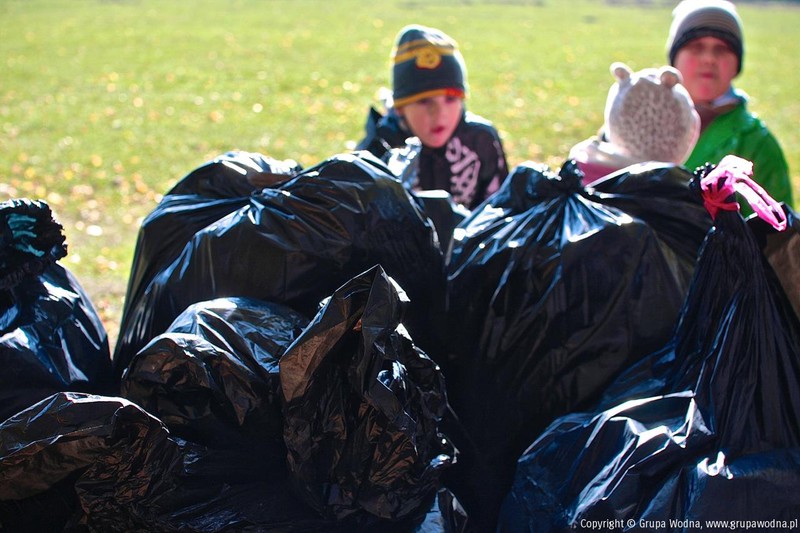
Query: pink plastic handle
x=733 y=175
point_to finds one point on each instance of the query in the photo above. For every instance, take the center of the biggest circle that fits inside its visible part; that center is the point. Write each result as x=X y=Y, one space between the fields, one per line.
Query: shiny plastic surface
x=363 y=407
x=51 y=337
x=706 y=428
x=294 y=244
x=553 y=290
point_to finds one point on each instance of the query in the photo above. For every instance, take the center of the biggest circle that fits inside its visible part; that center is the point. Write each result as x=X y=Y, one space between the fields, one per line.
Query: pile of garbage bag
x=552 y=290
x=292 y=243
x=705 y=428
x=213 y=419
x=77 y=462
x=212 y=378
x=323 y=349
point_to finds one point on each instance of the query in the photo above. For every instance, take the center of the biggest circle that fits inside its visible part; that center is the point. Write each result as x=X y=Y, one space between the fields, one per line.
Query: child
x=705 y=44
x=649 y=116
x=461 y=152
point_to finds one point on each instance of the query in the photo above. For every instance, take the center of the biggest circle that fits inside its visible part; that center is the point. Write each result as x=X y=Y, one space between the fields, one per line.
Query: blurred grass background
x=105 y=104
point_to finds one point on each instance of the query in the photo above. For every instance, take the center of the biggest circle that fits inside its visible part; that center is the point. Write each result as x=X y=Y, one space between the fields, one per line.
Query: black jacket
x=470 y=166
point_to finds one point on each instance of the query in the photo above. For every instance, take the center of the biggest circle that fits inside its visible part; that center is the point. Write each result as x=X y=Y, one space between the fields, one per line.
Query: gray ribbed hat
x=692 y=19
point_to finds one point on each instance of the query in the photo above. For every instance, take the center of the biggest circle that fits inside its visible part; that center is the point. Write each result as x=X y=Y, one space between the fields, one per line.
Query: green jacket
x=741 y=133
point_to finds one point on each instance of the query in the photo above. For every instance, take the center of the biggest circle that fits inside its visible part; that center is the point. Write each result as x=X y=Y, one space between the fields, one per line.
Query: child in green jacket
x=706 y=45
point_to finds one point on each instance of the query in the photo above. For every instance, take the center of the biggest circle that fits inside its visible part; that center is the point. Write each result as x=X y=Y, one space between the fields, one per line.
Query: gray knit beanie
x=426 y=62
x=692 y=19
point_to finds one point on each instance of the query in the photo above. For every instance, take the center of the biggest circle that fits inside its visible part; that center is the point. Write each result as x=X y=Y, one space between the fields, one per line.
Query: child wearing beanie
x=461 y=152
x=649 y=116
x=706 y=44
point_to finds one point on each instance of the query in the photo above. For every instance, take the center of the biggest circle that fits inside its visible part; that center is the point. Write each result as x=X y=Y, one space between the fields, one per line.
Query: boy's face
x=708 y=66
x=433 y=119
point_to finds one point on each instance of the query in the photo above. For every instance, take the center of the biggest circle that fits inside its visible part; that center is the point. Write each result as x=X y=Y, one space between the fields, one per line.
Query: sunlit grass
x=105 y=104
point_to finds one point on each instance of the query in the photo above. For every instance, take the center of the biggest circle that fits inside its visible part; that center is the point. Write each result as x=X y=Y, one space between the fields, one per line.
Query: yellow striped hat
x=426 y=62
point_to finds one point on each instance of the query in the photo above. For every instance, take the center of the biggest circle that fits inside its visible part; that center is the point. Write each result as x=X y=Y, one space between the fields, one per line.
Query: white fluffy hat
x=649 y=115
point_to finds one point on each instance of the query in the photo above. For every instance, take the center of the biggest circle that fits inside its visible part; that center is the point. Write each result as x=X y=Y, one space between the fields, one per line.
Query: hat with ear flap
x=649 y=115
x=426 y=63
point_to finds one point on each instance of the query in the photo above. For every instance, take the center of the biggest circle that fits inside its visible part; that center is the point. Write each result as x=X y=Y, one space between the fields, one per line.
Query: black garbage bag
x=213 y=379
x=294 y=244
x=662 y=371
x=235 y=174
x=436 y=204
x=362 y=410
x=46 y=448
x=720 y=440
x=446 y=215
x=554 y=289
x=31 y=241
x=782 y=250
x=77 y=462
x=210 y=192
x=382 y=133
x=51 y=337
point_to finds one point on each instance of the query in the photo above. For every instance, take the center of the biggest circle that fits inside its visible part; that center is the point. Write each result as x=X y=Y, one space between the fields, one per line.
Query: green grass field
x=105 y=104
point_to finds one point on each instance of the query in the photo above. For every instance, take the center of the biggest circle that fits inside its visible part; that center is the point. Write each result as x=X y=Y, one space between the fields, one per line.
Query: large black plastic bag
x=50 y=448
x=212 y=378
x=782 y=250
x=660 y=372
x=208 y=193
x=720 y=437
x=294 y=244
x=552 y=290
x=77 y=462
x=362 y=408
x=235 y=174
x=51 y=338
